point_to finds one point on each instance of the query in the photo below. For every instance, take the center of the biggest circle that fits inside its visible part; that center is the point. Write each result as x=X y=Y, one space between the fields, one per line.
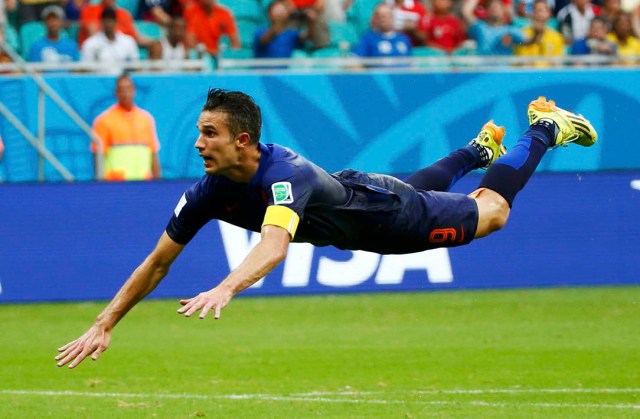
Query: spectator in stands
x=129 y=140
x=481 y=10
x=73 y=9
x=160 y=11
x=1 y=148
x=30 y=10
x=336 y=10
x=624 y=38
x=575 y=18
x=206 y=23
x=4 y=58
x=174 y=44
x=541 y=39
x=408 y=18
x=444 y=29
x=493 y=35
x=611 y=9
x=90 y=23
x=6 y=6
x=596 y=41
x=53 y=48
x=278 y=40
x=91 y=20
x=110 y=46
x=308 y=14
x=382 y=40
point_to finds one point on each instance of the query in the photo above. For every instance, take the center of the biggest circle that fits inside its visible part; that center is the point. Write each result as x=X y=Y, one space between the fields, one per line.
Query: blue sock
x=444 y=173
x=510 y=173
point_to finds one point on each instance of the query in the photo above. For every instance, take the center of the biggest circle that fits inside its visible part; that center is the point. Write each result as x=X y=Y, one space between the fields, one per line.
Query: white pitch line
x=480 y=391
x=268 y=397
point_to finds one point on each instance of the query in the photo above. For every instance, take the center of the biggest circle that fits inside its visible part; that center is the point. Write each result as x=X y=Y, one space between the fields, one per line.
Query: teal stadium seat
x=343 y=35
x=429 y=52
x=130 y=5
x=238 y=54
x=30 y=33
x=520 y=22
x=246 y=9
x=246 y=30
x=149 y=29
x=11 y=37
x=328 y=53
x=364 y=11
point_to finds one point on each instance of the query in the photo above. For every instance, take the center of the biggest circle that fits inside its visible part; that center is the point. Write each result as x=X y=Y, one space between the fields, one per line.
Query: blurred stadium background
x=554 y=352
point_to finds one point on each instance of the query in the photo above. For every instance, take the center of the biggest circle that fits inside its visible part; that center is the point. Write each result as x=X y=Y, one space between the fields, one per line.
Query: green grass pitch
x=565 y=353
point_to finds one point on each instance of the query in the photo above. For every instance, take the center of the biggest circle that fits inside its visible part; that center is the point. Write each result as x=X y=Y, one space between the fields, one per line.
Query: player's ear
x=243 y=139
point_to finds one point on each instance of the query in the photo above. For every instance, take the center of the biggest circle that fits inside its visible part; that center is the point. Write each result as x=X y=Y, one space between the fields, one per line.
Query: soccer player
x=273 y=190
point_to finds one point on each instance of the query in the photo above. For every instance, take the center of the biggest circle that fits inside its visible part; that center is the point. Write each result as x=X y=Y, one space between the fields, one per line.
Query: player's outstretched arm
x=267 y=254
x=143 y=280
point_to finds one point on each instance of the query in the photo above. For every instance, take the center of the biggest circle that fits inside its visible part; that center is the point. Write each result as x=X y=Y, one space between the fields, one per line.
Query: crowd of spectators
x=107 y=31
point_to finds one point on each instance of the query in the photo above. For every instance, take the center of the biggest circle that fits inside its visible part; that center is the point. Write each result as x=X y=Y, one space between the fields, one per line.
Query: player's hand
x=215 y=299
x=94 y=342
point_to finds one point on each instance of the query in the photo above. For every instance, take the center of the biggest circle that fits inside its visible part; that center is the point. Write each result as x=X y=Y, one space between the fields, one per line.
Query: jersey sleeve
x=192 y=212
x=287 y=185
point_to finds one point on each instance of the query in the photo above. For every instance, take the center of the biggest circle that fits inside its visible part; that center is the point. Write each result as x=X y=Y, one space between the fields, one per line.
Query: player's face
x=215 y=144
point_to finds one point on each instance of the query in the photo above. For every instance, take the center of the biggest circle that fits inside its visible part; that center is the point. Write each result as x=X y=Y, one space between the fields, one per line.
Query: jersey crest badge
x=282 y=193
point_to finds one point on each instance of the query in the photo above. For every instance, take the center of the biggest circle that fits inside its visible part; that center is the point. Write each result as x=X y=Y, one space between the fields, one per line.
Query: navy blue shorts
x=426 y=220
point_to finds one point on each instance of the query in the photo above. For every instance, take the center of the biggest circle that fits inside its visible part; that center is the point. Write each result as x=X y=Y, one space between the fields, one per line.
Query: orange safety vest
x=129 y=143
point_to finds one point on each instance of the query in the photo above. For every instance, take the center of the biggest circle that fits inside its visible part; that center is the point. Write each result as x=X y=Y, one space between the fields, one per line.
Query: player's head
x=243 y=114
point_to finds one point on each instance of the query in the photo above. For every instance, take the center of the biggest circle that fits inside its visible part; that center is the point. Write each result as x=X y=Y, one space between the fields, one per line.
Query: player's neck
x=247 y=167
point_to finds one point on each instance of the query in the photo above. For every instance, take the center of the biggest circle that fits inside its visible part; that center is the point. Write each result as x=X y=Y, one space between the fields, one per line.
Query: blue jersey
x=48 y=51
x=281 y=46
x=491 y=39
x=349 y=209
x=376 y=44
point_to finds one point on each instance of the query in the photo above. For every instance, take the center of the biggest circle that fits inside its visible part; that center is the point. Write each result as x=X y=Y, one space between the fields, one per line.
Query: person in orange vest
x=129 y=139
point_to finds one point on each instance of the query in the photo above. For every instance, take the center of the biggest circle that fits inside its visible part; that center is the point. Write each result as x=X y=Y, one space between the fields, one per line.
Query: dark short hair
x=243 y=114
x=108 y=13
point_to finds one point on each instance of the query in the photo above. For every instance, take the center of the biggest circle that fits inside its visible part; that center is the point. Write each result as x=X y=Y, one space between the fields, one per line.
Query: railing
x=436 y=63
x=44 y=89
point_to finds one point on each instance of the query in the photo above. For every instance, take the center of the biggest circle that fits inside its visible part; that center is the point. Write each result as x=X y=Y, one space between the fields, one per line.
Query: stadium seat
x=343 y=35
x=430 y=52
x=149 y=29
x=329 y=53
x=11 y=37
x=246 y=30
x=130 y=5
x=520 y=22
x=246 y=9
x=364 y=10
x=427 y=52
x=238 y=54
x=29 y=33
x=72 y=31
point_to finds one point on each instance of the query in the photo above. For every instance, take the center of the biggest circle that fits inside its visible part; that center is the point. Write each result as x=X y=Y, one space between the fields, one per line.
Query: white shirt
x=98 y=48
x=171 y=53
x=579 y=23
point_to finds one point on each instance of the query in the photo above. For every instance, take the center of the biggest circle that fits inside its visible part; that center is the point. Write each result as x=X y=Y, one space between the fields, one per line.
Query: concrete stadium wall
x=81 y=241
x=393 y=123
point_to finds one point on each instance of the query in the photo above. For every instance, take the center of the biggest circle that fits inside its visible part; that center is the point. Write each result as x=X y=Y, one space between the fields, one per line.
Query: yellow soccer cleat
x=572 y=128
x=489 y=143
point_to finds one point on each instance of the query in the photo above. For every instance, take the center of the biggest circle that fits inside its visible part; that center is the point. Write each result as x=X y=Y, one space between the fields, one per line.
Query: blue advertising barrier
x=81 y=241
x=389 y=123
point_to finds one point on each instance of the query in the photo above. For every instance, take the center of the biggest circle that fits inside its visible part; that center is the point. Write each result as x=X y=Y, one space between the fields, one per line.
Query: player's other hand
x=215 y=299
x=94 y=342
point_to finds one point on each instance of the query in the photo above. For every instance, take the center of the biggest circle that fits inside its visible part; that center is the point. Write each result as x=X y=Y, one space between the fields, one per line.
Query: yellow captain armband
x=280 y=216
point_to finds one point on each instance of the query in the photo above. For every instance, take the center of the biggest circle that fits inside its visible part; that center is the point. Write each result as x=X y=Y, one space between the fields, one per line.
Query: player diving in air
x=271 y=189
